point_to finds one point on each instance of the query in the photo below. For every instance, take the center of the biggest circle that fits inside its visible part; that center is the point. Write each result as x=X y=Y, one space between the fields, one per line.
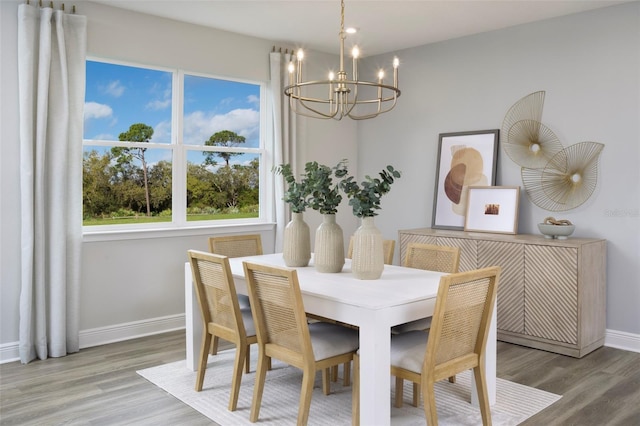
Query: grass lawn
x=156 y=219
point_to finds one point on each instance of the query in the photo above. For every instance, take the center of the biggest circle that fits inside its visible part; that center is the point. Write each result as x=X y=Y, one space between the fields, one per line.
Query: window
x=166 y=148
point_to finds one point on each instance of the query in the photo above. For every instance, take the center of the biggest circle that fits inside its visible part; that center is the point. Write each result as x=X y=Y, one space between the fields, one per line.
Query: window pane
x=222 y=191
x=228 y=109
x=118 y=96
x=126 y=185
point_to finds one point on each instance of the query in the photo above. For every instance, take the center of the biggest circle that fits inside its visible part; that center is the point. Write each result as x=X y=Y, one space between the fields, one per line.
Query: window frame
x=179 y=225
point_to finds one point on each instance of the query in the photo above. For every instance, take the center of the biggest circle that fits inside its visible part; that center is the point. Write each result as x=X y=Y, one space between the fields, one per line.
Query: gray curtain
x=284 y=131
x=51 y=84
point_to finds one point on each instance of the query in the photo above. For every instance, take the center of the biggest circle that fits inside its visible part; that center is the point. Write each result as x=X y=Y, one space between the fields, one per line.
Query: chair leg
x=248 y=361
x=214 y=345
x=483 y=399
x=326 y=381
x=416 y=394
x=334 y=373
x=399 y=392
x=308 y=377
x=258 y=388
x=241 y=355
x=204 y=357
x=355 y=392
x=429 y=396
x=346 y=371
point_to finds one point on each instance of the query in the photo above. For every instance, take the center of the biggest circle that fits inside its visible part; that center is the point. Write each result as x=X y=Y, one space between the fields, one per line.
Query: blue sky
x=118 y=96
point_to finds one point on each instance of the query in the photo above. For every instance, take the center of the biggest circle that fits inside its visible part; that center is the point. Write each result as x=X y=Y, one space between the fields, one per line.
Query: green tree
x=97 y=195
x=138 y=132
x=224 y=138
x=160 y=186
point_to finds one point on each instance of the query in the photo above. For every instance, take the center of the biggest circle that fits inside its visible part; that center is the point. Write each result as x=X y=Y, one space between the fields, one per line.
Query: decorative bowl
x=561 y=232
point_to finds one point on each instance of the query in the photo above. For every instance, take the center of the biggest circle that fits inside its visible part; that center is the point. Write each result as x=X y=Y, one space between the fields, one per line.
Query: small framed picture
x=492 y=209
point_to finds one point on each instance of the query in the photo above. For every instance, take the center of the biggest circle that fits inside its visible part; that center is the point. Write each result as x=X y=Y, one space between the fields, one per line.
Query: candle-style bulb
x=355 y=52
x=380 y=74
x=331 y=76
x=291 y=67
x=396 y=62
x=300 y=54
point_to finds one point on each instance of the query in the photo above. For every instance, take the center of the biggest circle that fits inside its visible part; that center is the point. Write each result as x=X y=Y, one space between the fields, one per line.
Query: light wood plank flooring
x=99 y=386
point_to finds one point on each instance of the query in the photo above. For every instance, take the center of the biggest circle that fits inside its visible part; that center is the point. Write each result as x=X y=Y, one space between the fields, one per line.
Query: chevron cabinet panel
x=510 y=258
x=551 y=294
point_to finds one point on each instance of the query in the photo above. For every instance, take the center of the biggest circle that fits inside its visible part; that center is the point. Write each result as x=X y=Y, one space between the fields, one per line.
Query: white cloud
x=158 y=105
x=199 y=126
x=96 y=110
x=162 y=132
x=104 y=137
x=253 y=99
x=114 y=89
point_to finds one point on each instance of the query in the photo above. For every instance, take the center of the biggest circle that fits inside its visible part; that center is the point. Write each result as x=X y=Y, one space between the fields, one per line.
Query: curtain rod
x=279 y=49
x=73 y=8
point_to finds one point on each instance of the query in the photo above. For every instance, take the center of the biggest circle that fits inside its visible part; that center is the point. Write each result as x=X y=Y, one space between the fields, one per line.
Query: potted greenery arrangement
x=364 y=198
x=324 y=196
x=296 y=248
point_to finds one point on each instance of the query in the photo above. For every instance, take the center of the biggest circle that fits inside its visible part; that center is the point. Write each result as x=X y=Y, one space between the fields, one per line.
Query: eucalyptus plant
x=324 y=194
x=297 y=192
x=365 y=197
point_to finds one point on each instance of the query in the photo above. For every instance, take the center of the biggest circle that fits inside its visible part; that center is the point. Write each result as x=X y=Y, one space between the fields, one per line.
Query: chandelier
x=345 y=97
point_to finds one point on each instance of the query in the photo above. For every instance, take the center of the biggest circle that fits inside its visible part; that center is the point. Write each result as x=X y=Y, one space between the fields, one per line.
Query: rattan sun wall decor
x=554 y=178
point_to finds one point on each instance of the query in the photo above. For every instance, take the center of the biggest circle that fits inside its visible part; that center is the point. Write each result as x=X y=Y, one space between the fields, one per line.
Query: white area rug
x=514 y=404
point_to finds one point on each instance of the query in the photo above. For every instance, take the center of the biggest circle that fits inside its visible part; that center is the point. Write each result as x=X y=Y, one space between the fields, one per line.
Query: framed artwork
x=464 y=159
x=492 y=209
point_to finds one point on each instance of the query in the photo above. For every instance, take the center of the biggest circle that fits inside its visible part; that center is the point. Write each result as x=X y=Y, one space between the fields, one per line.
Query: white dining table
x=400 y=295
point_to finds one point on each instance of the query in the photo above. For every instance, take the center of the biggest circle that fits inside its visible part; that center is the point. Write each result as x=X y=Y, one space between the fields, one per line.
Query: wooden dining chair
x=221 y=314
x=235 y=246
x=455 y=342
x=431 y=258
x=283 y=333
x=389 y=247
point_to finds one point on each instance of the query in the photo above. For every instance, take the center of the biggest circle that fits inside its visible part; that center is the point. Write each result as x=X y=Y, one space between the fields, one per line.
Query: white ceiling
x=384 y=26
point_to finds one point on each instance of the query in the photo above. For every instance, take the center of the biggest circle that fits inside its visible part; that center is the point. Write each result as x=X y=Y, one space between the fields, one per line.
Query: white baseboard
x=622 y=340
x=103 y=335
x=133 y=330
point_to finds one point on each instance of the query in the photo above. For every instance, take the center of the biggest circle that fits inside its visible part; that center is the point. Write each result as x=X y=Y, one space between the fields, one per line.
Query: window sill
x=142 y=234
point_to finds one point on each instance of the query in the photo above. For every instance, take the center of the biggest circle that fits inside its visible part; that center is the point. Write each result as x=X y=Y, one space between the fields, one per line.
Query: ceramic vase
x=296 y=249
x=328 y=253
x=368 y=251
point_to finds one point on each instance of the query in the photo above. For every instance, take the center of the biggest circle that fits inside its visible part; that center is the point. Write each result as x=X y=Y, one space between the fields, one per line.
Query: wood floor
x=99 y=386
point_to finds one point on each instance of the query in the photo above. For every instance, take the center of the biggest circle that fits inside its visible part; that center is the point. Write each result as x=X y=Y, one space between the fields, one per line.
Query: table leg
x=375 y=341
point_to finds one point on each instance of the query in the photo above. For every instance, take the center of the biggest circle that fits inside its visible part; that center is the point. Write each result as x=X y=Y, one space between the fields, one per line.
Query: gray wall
x=589 y=66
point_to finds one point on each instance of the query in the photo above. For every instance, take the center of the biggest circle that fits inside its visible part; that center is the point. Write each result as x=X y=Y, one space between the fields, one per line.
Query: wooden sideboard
x=551 y=294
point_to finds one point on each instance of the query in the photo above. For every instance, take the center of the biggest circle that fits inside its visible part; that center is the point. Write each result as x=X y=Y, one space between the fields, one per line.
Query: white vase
x=328 y=253
x=296 y=249
x=367 y=260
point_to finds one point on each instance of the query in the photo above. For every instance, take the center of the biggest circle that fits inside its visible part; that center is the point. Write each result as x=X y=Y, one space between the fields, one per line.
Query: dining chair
x=431 y=258
x=221 y=314
x=389 y=247
x=455 y=342
x=235 y=246
x=283 y=333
